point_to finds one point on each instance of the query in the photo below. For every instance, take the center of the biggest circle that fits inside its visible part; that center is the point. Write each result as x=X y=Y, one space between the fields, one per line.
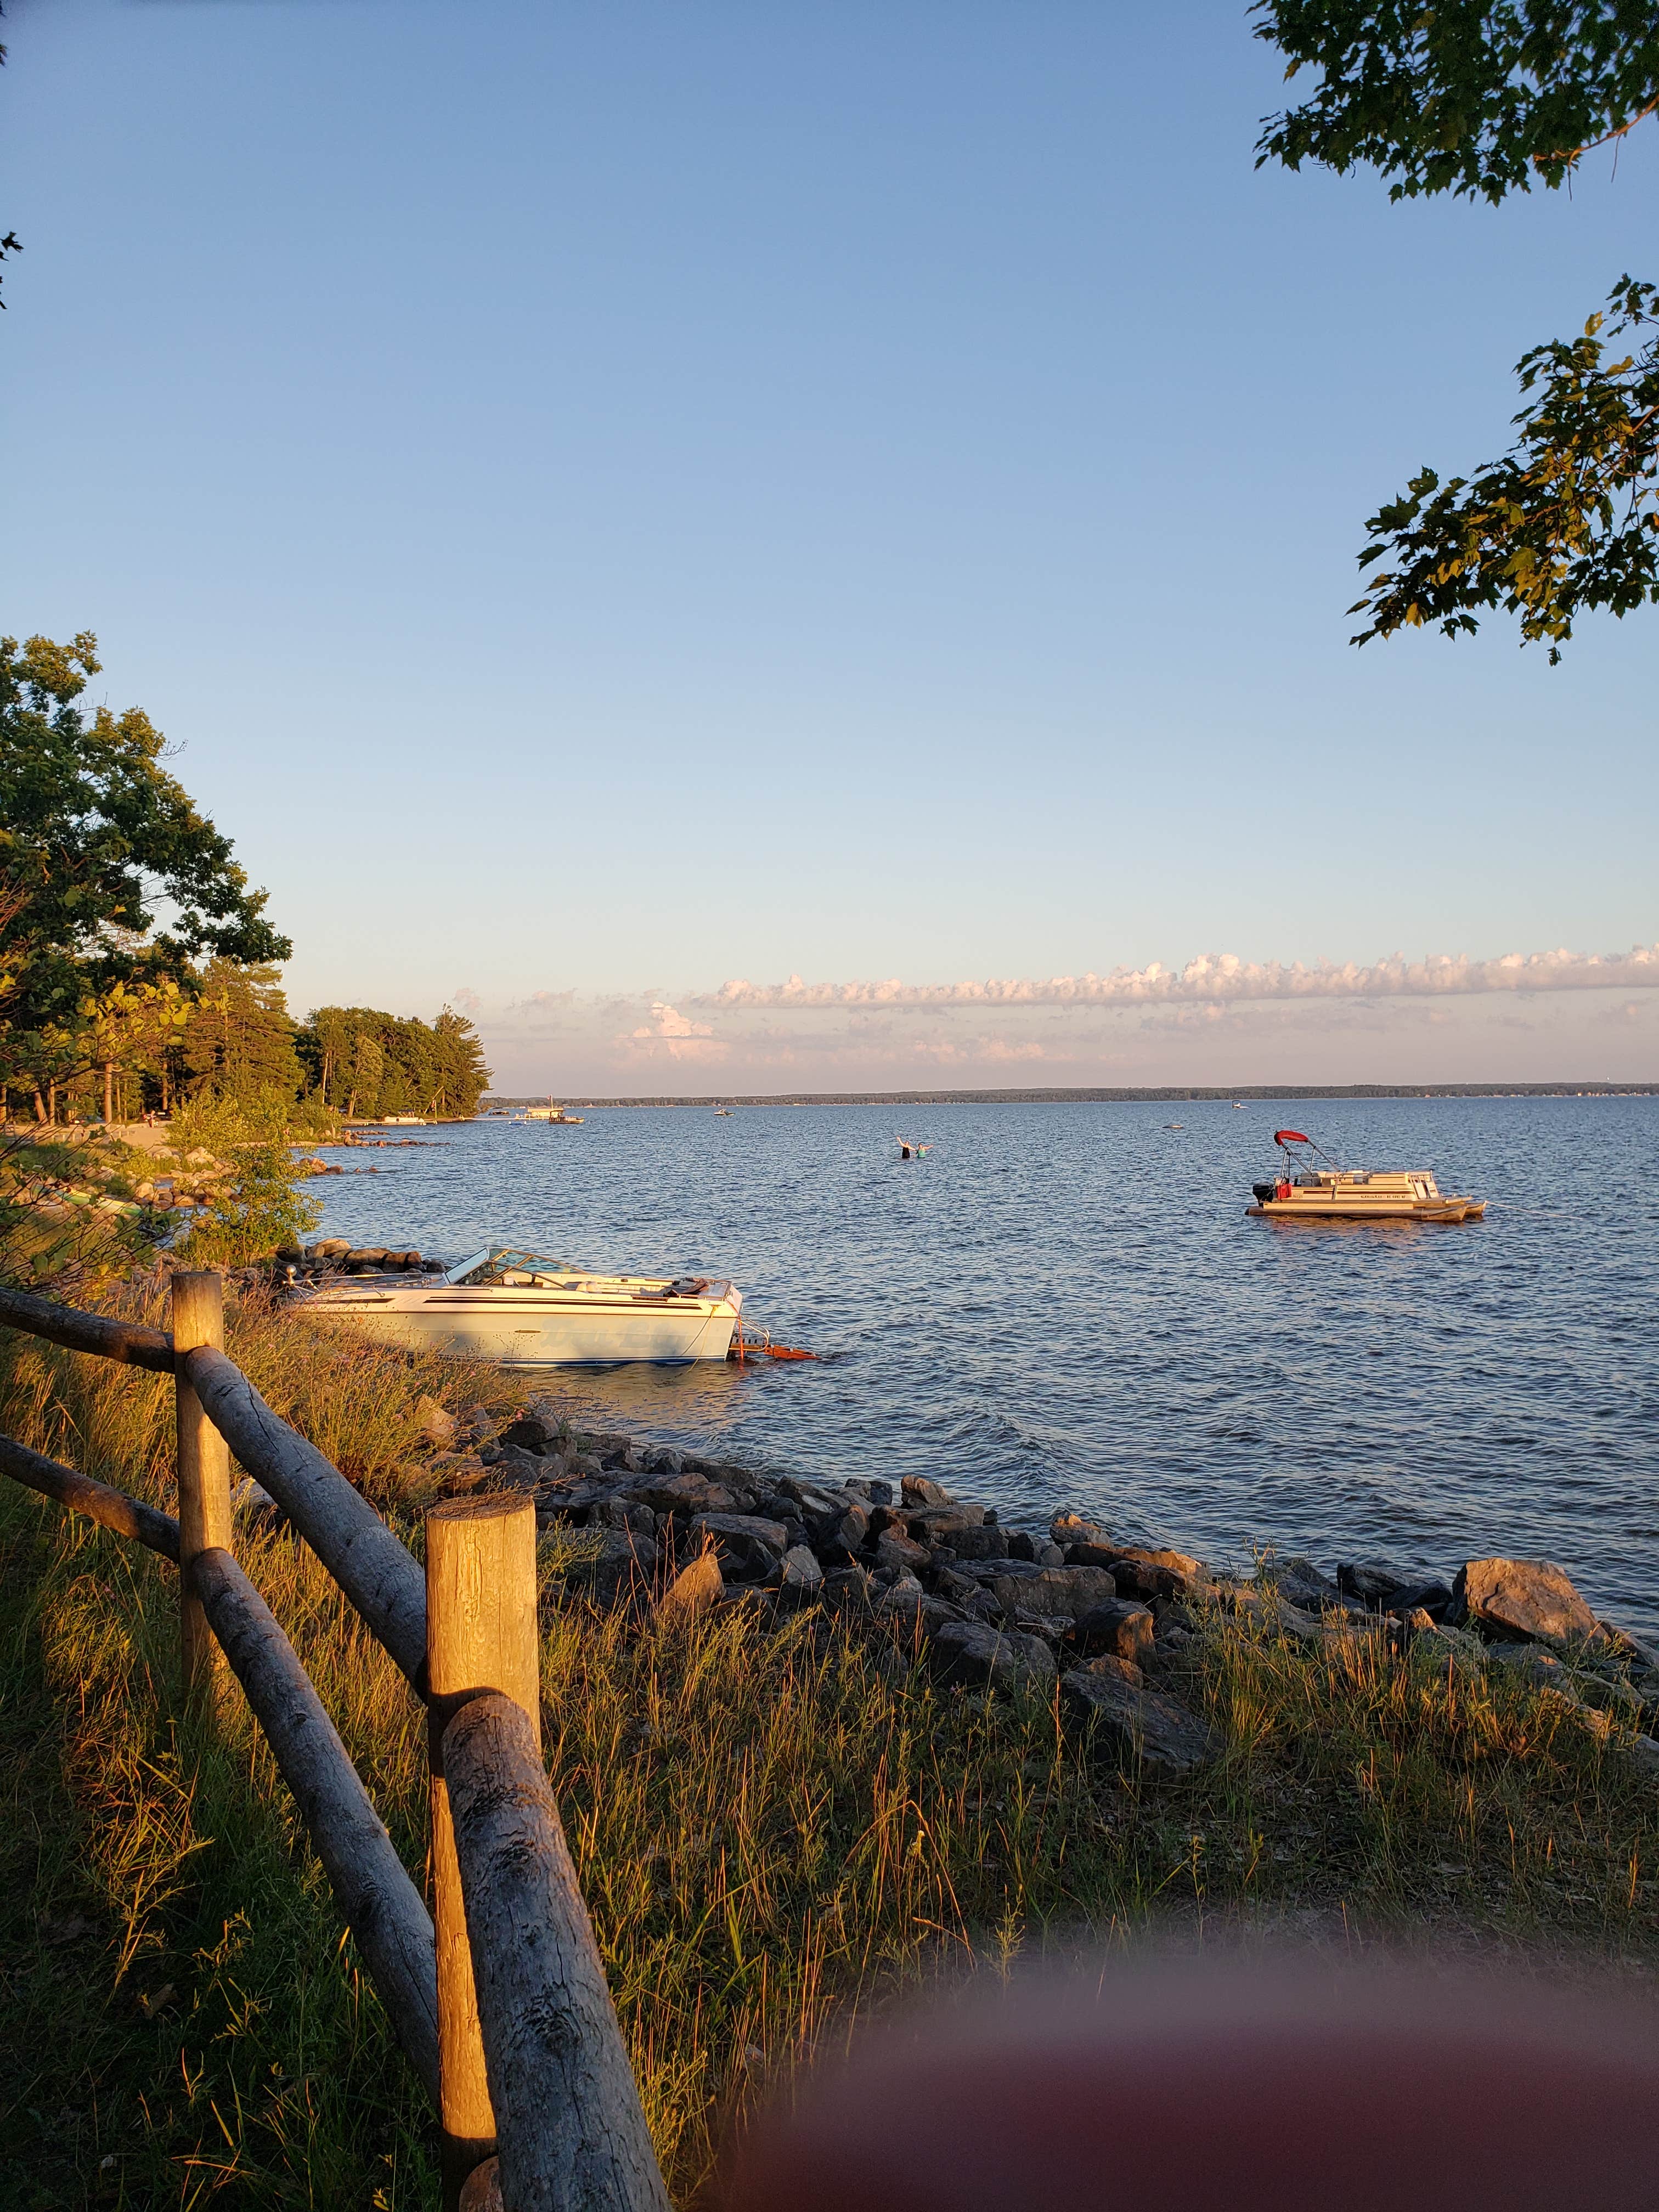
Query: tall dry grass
x=776 y=1828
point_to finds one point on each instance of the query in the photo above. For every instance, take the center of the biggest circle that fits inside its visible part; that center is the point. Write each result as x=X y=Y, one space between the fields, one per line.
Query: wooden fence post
x=205 y=1523
x=481 y=1635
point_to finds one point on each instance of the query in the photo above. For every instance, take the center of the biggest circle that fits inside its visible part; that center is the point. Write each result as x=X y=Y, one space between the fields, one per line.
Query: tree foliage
x=362 y=1062
x=238 y=1039
x=1567 y=519
x=1482 y=98
x=108 y=874
x=1471 y=96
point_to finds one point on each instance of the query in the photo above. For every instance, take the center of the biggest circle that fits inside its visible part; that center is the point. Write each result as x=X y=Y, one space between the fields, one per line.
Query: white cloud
x=1221 y=978
x=669 y=1033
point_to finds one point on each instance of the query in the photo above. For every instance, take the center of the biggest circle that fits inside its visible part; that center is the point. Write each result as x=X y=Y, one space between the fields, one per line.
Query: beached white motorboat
x=1304 y=1190
x=523 y=1310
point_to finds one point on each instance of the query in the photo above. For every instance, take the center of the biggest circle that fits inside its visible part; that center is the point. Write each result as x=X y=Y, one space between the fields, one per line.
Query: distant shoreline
x=1147 y=1095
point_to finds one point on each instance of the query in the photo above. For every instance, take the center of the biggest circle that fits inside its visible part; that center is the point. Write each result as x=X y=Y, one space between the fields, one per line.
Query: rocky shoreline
x=1106 y=1622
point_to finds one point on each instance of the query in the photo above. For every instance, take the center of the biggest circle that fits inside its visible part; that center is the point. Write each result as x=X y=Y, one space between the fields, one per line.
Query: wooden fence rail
x=376 y=1571
x=502 y=2008
x=84 y=1493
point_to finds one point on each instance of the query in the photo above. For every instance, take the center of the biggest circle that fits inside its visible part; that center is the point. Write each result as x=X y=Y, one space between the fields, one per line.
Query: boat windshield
x=519 y=1268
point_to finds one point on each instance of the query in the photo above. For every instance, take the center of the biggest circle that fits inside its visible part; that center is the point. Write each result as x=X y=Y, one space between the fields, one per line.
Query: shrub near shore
x=782 y=1816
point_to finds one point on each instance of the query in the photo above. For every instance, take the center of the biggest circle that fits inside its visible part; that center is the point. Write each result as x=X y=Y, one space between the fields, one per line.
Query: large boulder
x=1143 y=1572
x=1530 y=1598
x=696 y=1587
x=1070 y=1591
x=1138 y=1724
x=624 y=1568
x=939 y=1524
x=897 y=1554
x=916 y=1490
x=838 y=1533
x=972 y=1652
x=1121 y=1630
x=749 y=1549
x=801 y=1574
x=681 y=1493
x=982 y=1543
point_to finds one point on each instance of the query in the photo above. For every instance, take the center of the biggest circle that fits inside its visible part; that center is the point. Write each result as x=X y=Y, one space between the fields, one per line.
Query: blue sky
x=613 y=500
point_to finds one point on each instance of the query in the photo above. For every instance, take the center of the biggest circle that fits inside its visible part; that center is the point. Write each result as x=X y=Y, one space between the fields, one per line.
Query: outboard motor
x=1263 y=1191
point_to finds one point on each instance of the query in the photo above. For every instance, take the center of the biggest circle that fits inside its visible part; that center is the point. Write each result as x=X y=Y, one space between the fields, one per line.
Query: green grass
x=776 y=1829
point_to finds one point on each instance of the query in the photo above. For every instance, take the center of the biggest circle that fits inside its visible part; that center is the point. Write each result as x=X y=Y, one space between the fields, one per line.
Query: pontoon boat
x=1305 y=1191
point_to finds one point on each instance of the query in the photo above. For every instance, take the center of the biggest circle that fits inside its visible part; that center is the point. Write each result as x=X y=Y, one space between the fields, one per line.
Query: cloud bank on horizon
x=1216 y=978
x=1529 y=1015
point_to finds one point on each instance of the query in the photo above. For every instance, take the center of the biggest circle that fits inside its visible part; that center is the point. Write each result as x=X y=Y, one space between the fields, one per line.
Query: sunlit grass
x=776 y=1827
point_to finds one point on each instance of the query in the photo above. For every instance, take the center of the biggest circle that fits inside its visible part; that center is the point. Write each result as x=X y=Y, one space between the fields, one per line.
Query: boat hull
x=530 y=1328
x=1315 y=1206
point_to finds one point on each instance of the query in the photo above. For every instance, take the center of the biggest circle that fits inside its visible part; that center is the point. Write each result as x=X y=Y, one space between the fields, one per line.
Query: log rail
x=501 y=2010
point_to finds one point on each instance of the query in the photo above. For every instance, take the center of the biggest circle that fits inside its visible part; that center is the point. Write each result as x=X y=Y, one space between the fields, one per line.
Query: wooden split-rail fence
x=497 y=1995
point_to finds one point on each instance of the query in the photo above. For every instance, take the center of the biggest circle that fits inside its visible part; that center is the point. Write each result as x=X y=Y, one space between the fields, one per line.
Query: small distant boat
x=402 y=1120
x=554 y=1116
x=522 y=1309
x=1305 y=1191
x=1175 y=1125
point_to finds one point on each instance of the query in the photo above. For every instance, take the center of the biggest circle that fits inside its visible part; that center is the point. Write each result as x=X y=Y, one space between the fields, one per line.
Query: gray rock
x=1120 y=1628
x=1069 y=1527
x=1091 y=1555
x=971 y=1651
x=1139 y=1724
x=851 y=1588
x=1301 y=1581
x=1048 y=1555
x=916 y=1490
x=801 y=1571
x=624 y=1568
x=516 y=1470
x=1053 y=1628
x=939 y=1524
x=695 y=1587
x=1523 y=1597
x=749 y=1548
x=1372 y=1581
x=1430 y=1595
x=914 y=1610
x=1120 y=1670
x=435 y=1422
x=1071 y=1590
x=984 y=1543
x=893 y=1550
x=529 y=1433
x=1023 y=1546
x=1140 y=1572
x=617 y=1513
x=812 y=1498
x=840 y=1534
x=681 y=1493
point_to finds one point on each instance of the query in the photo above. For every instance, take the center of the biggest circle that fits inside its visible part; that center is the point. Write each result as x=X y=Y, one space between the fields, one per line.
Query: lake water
x=1067 y=1305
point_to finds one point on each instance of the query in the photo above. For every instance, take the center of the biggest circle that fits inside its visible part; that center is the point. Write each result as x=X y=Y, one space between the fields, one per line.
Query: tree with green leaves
x=108 y=873
x=237 y=1037
x=362 y=1062
x=1482 y=98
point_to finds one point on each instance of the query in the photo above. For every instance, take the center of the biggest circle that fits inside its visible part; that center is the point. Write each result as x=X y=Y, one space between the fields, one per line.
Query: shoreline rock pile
x=991 y=1605
x=338 y=1255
